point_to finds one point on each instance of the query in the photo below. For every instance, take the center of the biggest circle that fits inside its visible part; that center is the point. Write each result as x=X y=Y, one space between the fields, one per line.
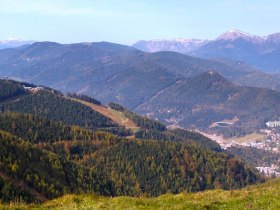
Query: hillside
x=115 y=115
x=110 y=71
x=262 y=196
x=127 y=167
x=48 y=104
x=194 y=104
x=208 y=98
x=84 y=156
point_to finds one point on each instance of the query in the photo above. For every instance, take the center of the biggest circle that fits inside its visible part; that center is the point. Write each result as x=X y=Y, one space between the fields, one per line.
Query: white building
x=273 y=124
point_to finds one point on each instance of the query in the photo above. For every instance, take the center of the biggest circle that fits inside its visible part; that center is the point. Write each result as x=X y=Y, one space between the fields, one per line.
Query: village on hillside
x=268 y=139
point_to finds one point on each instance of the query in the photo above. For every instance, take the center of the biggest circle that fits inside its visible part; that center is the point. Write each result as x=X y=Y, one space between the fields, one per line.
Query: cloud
x=51 y=8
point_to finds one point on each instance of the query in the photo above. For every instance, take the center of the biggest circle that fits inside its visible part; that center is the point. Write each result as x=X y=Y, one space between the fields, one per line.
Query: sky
x=127 y=21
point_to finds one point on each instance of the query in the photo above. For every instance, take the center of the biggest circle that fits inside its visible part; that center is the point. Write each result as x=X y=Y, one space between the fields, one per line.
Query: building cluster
x=33 y=88
x=269 y=171
x=271 y=143
x=273 y=124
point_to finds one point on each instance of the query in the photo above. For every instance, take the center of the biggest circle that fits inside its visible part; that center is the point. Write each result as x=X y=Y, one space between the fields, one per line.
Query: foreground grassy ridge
x=261 y=196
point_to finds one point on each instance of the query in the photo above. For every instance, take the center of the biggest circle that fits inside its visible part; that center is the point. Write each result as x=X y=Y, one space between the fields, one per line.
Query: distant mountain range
x=11 y=43
x=37 y=62
x=145 y=82
x=261 y=52
x=105 y=69
x=176 y=45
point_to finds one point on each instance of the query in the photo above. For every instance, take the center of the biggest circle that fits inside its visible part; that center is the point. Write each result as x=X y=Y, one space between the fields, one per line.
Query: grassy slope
x=116 y=116
x=262 y=196
x=253 y=137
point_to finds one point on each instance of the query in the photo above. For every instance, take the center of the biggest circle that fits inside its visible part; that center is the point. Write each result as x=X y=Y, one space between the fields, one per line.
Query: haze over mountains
x=89 y=120
x=145 y=82
x=11 y=43
x=261 y=52
x=85 y=64
x=87 y=147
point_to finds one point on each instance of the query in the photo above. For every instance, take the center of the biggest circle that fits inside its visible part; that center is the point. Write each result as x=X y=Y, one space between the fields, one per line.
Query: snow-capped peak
x=236 y=34
x=186 y=40
x=181 y=45
x=178 y=40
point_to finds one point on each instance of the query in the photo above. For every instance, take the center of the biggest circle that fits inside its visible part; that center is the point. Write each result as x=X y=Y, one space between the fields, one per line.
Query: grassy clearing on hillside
x=116 y=116
x=251 y=137
x=261 y=196
x=122 y=119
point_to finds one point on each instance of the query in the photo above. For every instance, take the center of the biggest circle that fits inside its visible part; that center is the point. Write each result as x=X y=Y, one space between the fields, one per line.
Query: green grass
x=250 y=137
x=261 y=196
x=123 y=120
x=118 y=114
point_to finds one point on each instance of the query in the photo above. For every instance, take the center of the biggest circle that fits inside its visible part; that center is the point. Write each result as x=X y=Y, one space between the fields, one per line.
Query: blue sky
x=126 y=21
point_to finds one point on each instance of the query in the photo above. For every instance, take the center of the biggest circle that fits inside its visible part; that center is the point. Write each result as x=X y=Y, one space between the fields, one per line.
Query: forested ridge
x=44 y=171
x=157 y=167
x=113 y=166
x=36 y=129
x=178 y=135
x=84 y=98
x=55 y=107
x=100 y=162
x=57 y=146
x=9 y=89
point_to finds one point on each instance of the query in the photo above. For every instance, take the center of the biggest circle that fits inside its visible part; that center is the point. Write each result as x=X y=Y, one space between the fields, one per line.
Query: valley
x=133 y=105
x=178 y=90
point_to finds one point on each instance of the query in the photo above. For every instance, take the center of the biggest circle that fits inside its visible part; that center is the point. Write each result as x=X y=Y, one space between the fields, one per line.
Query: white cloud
x=50 y=7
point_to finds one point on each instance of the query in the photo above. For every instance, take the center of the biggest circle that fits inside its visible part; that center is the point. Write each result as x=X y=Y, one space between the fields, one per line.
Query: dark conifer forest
x=51 y=145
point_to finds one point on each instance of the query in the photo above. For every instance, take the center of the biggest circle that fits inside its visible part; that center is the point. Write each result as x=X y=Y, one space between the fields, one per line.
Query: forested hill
x=48 y=104
x=10 y=89
x=208 y=98
x=51 y=145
